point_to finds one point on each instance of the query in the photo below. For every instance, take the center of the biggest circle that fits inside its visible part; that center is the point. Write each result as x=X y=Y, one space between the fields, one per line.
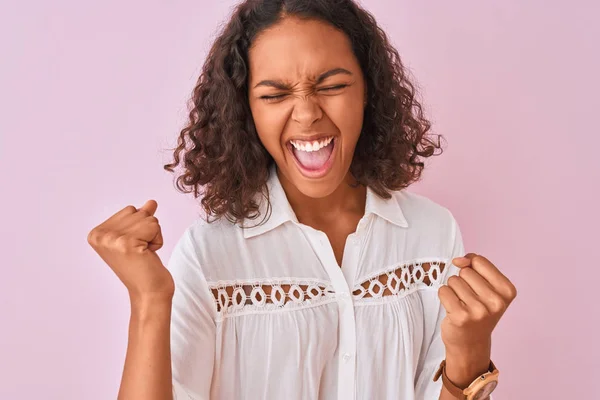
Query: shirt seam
x=392 y=298
x=395 y=266
x=223 y=317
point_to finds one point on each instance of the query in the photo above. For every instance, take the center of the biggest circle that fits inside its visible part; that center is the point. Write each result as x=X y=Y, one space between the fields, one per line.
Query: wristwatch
x=479 y=389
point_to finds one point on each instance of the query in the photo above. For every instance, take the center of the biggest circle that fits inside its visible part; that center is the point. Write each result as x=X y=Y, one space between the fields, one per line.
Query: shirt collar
x=281 y=211
x=388 y=209
x=277 y=214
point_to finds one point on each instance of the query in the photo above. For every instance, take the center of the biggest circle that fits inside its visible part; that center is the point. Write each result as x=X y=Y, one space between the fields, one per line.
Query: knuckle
x=97 y=236
x=442 y=289
x=92 y=237
x=453 y=280
x=122 y=244
x=480 y=312
x=512 y=291
x=461 y=318
x=109 y=237
x=497 y=305
x=477 y=258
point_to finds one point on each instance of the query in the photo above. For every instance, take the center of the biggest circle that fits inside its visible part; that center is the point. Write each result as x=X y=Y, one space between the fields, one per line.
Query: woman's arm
x=147 y=371
x=128 y=241
x=171 y=348
x=462 y=368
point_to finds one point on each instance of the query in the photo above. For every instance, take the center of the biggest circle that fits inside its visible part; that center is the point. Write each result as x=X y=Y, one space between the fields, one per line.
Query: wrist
x=463 y=366
x=149 y=308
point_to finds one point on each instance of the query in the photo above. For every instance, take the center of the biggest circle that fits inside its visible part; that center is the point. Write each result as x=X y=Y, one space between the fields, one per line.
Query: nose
x=306 y=111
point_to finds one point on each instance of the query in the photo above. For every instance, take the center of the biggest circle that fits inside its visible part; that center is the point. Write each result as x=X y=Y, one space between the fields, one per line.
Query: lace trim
x=236 y=297
x=401 y=280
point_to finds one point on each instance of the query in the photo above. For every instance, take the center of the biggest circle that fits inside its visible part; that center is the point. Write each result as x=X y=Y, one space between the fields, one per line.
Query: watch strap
x=454 y=390
x=451 y=387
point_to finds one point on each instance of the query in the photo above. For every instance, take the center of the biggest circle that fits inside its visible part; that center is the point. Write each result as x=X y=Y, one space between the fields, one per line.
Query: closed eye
x=332 y=88
x=277 y=97
x=272 y=98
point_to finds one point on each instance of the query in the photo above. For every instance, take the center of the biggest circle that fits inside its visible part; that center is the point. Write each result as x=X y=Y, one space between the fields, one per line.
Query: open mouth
x=314 y=158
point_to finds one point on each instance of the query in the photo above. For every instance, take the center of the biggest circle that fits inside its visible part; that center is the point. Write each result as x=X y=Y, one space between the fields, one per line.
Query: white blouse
x=265 y=312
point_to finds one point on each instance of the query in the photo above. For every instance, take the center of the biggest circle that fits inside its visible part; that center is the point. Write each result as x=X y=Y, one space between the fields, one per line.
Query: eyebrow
x=283 y=86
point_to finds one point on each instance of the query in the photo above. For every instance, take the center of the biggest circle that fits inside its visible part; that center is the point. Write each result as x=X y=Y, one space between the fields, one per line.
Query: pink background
x=91 y=97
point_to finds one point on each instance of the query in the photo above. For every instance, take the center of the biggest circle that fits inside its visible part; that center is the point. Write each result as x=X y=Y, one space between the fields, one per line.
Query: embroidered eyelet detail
x=314 y=292
x=222 y=299
x=238 y=298
x=401 y=279
x=278 y=296
x=296 y=294
x=258 y=296
x=241 y=297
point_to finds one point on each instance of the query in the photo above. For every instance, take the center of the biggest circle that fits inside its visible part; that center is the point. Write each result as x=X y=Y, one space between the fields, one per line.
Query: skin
x=127 y=242
x=287 y=61
x=475 y=300
x=288 y=100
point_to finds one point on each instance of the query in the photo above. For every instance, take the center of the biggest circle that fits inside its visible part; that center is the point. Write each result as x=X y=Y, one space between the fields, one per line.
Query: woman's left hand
x=475 y=300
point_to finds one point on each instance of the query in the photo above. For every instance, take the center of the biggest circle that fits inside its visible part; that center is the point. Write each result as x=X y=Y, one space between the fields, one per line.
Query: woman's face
x=307 y=96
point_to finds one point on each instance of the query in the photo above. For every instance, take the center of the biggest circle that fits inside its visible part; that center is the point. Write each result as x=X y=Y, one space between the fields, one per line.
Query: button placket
x=347 y=346
x=345 y=296
x=347 y=324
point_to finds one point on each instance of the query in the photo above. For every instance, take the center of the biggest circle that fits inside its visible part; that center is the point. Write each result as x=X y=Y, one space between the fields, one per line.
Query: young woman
x=315 y=274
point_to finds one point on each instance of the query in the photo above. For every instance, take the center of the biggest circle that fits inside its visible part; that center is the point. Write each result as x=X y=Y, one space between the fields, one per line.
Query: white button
x=344 y=296
x=346 y=357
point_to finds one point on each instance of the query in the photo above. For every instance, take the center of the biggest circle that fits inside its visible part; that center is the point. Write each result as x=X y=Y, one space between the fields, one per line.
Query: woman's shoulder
x=205 y=245
x=420 y=209
x=432 y=226
x=213 y=232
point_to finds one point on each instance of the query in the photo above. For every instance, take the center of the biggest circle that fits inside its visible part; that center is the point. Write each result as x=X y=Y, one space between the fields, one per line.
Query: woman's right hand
x=127 y=242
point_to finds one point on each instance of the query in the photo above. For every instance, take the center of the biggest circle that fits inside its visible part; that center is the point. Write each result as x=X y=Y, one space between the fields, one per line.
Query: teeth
x=310 y=146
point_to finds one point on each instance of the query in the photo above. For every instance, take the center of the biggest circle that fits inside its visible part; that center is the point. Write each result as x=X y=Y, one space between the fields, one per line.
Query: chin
x=316 y=190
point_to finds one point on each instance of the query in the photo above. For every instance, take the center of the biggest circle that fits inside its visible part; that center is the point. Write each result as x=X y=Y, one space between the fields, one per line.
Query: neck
x=347 y=198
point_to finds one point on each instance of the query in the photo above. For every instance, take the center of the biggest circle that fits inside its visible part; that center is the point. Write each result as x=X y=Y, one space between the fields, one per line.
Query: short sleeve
x=433 y=351
x=192 y=324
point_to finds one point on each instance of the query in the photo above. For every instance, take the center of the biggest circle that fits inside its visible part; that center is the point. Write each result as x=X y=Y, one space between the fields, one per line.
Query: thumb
x=150 y=206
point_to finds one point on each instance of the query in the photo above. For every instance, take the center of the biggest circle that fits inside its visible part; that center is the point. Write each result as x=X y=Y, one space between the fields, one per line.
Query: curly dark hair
x=223 y=157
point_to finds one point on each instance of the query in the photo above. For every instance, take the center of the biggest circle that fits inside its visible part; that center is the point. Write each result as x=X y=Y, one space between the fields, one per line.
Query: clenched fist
x=127 y=242
x=475 y=300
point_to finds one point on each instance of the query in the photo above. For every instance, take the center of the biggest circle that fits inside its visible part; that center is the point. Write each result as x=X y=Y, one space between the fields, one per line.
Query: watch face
x=484 y=392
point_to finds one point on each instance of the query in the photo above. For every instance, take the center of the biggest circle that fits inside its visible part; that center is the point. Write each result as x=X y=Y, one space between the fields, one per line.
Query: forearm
x=464 y=366
x=147 y=371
